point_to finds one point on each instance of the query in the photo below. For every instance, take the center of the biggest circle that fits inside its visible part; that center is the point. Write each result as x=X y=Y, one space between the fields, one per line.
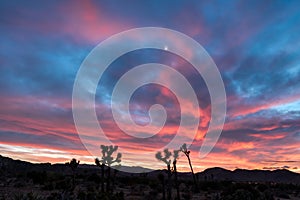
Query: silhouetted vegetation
x=73 y=164
x=108 y=160
x=186 y=152
x=175 y=156
x=167 y=160
x=21 y=180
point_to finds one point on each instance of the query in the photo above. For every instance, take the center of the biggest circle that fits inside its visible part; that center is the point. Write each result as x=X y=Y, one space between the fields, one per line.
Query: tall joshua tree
x=108 y=160
x=184 y=149
x=73 y=164
x=167 y=159
x=101 y=165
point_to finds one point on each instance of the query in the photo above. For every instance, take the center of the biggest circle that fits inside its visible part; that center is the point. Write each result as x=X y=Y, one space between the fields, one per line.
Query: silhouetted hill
x=9 y=166
x=243 y=175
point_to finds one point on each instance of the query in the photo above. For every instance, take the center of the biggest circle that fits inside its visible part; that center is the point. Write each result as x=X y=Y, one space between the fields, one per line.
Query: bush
x=37 y=177
x=94 y=178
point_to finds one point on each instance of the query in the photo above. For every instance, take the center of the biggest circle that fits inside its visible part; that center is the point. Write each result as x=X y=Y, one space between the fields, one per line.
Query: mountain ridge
x=211 y=174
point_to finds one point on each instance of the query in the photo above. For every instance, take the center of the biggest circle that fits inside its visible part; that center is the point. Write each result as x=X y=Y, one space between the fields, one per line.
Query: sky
x=255 y=45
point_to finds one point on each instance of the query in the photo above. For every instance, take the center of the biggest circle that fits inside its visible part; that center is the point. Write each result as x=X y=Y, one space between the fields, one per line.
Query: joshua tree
x=175 y=156
x=107 y=160
x=167 y=159
x=183 y=148
x=101 y=165
x=73 y=164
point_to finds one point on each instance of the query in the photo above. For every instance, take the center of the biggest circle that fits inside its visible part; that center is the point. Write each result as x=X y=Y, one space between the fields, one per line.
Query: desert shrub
x=91 y=196
x=119 y=196
x=49 y=186
x=37 y=177
x=28 y=196
x=214 y=185
x=284 y=196
x=186 y=195
x=54 y=176
x=152 y=195
x=267 y=195
x=20 y=175
x=153 y=184
x=133 y=180
x=91 y=188
x=239 y=190
x=18 y=196
x=94 y=178
x=262 y=187
x=240 y=194
x=19 y=184
x=54 y=196
x=63 y=184
x=81 y=195
x=32 y=196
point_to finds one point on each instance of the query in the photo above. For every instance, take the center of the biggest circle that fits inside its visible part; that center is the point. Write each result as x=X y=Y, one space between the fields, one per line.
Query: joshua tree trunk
x=102 y=178
x=176 y=180
x=108 y=180
x=194 y=177
x=169 y=183
x=73 y=164
x=107 y=160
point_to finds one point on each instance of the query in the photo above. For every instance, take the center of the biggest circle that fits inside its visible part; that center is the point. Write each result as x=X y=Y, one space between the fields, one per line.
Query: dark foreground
x=23 y=180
